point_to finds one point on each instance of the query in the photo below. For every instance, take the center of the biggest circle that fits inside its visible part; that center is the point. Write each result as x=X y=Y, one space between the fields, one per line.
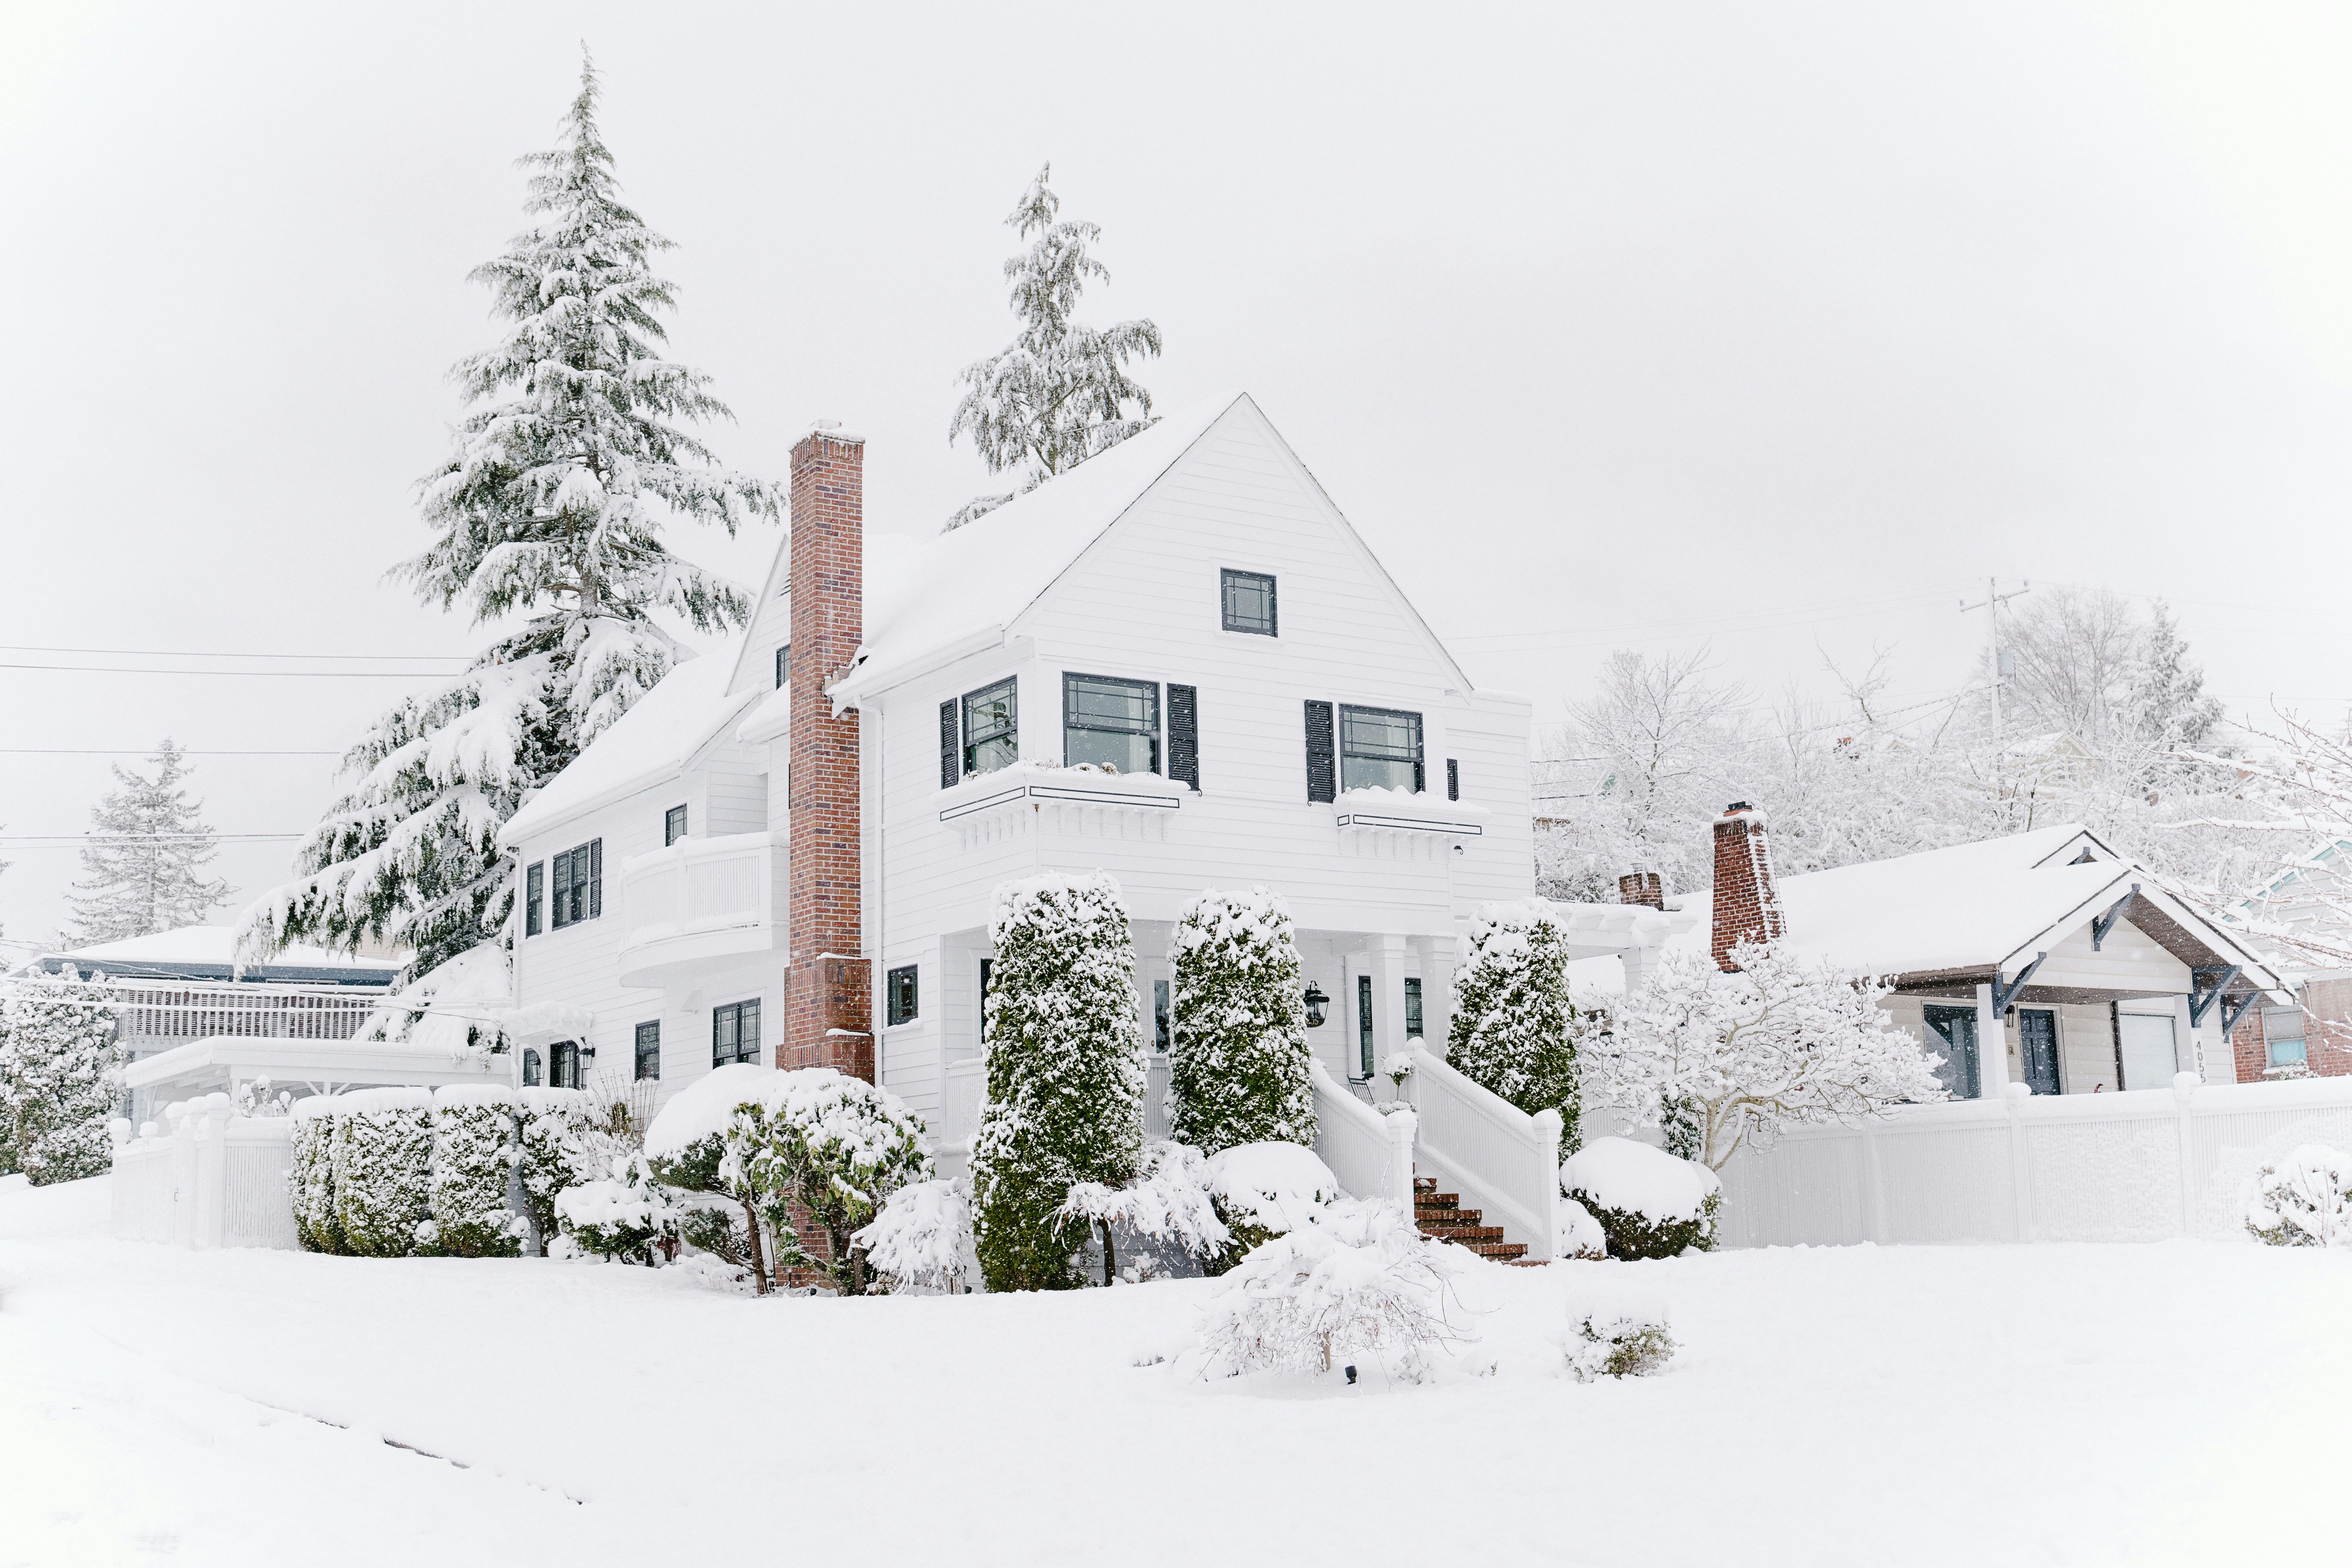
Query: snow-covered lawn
x=2170 y=1402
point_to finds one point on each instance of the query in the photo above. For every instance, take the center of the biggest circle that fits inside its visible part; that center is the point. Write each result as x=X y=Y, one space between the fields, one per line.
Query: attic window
x=784 y=664
x=1249 y=602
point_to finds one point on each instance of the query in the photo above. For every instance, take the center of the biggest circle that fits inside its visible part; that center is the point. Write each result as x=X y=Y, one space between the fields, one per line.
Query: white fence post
x=1546 y=1140
x=2020 y=1169
x=183 y=1188
x=210 y=1116
x=2184 y=1089
x=1400 y=1127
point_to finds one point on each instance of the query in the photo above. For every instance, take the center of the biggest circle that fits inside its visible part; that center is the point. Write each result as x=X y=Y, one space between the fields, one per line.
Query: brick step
x=1442 y=1217
x=1433 y=1215
x=1464 y=1234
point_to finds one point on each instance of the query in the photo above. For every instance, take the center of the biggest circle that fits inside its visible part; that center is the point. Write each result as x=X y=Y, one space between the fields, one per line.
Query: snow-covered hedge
x=821 y=1146
x=474 y=1156
x=1238 y=1063
x=2303 y=1200
x=383 y=1172
x=1357 y=1281
x=311 y=1178
x=1511 y=1016
x=60 y=1078
x=923 y=1238
x=1064 y=1074
x=556 y=1153
x=1649 y=1203
x=628 y=1215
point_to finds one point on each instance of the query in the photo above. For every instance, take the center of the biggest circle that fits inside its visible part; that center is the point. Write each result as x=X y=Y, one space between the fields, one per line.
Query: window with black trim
x=735 y=1033
x=650 y=1050
x=992 y=728
x=1161 y=1029
x=984 y=968
x=784 y=664
x=529 y=1069
x=1111 y=722
x=1379 y=748
x=898 y=995
x=563 y=1064
x=1248 y=602
x=578 y=890
x=534 y=888
x=1452 y=778
x=673 y=825
x=1412 y=1008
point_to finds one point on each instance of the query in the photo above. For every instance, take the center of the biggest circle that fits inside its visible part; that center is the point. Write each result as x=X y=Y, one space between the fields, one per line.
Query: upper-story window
x=992 y=728
x=1379 y=748
x=673 y=825
x=578 y=893
x=1249 y=602
x=784 y=664
x=1111 y=722
x=534 y=888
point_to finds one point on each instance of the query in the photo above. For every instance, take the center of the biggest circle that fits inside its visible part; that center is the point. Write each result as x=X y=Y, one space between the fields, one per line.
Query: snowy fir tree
x=550 y=514
x=1237 y=1056
x=60 y=1081
x=1064 y=1074
x=1059 y=392
x=1782 y=1041
x=1512 y=1030
x=148 y=843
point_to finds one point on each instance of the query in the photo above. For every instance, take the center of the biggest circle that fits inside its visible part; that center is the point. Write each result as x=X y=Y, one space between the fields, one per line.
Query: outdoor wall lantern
x=1316 y=1004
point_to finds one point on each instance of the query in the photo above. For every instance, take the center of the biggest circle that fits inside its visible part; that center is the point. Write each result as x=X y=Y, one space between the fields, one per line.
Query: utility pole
x=1990 y=605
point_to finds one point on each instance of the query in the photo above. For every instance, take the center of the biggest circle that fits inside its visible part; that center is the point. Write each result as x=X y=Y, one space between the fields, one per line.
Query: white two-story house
x=1177 y=663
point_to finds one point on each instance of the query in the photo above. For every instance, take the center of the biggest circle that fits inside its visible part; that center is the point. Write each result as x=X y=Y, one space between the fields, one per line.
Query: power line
x=1792 y=614
x=280 y=674
x=191 y=653
x=141 y=751
x=75 y=840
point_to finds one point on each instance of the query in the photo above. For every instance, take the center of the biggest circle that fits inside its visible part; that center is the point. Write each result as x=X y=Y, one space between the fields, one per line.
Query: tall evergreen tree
x=552 y=509
x=59 y=1079
x=139 y=871
x=1239 y=1070
x=1513 y=1024
x=1059 y=392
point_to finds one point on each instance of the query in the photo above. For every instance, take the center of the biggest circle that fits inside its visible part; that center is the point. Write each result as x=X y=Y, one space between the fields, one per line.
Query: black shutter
x=1185 y=735
x=1452 y=779
x=1322 y=778
x=949 y=773
x=596 y=878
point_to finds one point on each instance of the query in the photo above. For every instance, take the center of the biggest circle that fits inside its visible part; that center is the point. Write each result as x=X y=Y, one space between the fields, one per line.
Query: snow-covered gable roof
x=209 y=952
x=656 y=739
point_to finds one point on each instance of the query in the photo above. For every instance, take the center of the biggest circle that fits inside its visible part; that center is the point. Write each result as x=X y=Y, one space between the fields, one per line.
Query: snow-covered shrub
x=311 y=1178
x=821 y=1147
x=474 y=1157
x=1359 y=1281
x=919 y=1241
x=1648 y=1204
x=1617 y=1343
x=629 y=1216
x=1263 y=1189
x=1575 y=1233
x=1064 y=1074
x=557 y=1151
x=1238 y=1063
x=60 y=1080
x=383 y=1172
x=1511 y=1016
x=2303 y=1200
x=1171 y=1200
x=689 y=1146
x=254 y=1101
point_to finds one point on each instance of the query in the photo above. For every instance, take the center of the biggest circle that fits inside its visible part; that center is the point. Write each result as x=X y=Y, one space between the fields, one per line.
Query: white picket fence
x=2143 y=1165
x=1504 y=1162
x=206 y=1177
x=1369 y=1152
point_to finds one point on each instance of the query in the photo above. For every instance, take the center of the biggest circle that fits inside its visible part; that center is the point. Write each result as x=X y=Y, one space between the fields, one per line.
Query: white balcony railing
x=1504 y=1160
x=700 y=901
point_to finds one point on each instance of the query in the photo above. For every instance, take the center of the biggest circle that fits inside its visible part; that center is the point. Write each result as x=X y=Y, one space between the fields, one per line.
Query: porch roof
x=217 y=1059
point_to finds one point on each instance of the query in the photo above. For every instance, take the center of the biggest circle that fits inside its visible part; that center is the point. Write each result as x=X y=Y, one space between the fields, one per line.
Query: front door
x=2037 y=1040
x=1955 y=1032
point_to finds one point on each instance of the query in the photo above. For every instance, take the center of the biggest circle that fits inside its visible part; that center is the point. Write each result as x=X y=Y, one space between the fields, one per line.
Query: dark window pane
x=531 y=1070
x=1111 y=722
x=673 y=825
x=898 y=995
x=734 y=1032
x=650 y=1050
x=1413 y=1008
x=1159 y=1028
x=991 y=728
x=1364 y=1025
x=784 y=664
x=1248 y=602
x=1379 y=749
x=534 y=888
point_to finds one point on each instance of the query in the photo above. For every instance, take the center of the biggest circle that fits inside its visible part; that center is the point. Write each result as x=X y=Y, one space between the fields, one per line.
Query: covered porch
x=226 y=1064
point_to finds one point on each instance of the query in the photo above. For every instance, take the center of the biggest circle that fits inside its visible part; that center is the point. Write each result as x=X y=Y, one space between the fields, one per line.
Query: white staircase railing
x=1370 y=1154
x=1502 y=1160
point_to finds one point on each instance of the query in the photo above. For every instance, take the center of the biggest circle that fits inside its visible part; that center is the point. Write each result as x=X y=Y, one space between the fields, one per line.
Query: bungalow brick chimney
x=1747 y=906
x=828 y=981
x=1642 y=888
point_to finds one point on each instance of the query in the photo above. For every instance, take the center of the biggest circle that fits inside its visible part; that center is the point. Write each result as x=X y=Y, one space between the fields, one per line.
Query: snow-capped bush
x=688 y=1147
x=1264 y=1190
x=474 y=1156
x=629 y=1216
x=921 y=1238
x=1172 y=1200
x=1619 y=1341
x=254 y=1099
x=1064 y=1074
x=2303 y=1200
x=556 y=1151
x=383 y=1172
x=60 y=1077
x=1238 y=1063
x=1575 y=1233
x=1648 y=1204
x=819 y=1145
x=311 y=1178
x=1360 y=1281
x=1510 y=1031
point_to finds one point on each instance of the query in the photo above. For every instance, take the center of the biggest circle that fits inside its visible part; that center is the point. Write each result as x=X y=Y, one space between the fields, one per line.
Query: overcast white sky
x=1775 y=328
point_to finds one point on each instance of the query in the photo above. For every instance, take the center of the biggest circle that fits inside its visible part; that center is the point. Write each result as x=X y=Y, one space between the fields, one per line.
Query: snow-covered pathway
x=2060 y=1404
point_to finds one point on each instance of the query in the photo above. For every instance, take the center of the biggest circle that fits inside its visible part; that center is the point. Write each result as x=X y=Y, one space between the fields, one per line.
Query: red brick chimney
x=828 y=990
x=1642 y=888
x=1747 y=906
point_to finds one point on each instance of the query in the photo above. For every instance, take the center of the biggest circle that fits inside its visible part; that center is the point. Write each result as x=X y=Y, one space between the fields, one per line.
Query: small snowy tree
x=549 y=517
x=1064 y=1074
x=1173 y=1199
x=821 y=1146
x=1239 y=1070
x=1362 y=1280
x=558 y=1149
x=918 y=1241
x=1512 y=1018
x=631 y=1216
x=1059 y=392
x=1782 y=1041
x=60 y=1080
x=2302 y=1200
x=139 y=869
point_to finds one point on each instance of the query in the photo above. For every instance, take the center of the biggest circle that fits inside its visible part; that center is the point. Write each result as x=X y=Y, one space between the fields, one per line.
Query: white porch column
x=2186 y=1044
x=1388 y=998
x=1992 y=1048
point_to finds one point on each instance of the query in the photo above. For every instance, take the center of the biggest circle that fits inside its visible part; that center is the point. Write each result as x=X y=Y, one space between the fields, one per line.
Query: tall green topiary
x=1512 y=1017
x=383 y=1172
x=1238 y=1063
x=311 y=1181
x=1064 y=1074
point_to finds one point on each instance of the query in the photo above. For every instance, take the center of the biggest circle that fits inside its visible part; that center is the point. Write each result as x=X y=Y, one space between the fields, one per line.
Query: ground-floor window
x=650 y=1050
x=563 y=1064
x=2282 y=1037
x=2148 y=1050
x=735 y=1033
x=1364 y=1025
x=899 y=997
x=1955 y=1031
x=1159 y=1020
x=531 y=1070
x=1413 y=1030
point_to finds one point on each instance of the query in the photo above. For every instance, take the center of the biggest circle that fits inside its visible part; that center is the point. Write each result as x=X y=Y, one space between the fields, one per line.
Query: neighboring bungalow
x=2306 y=913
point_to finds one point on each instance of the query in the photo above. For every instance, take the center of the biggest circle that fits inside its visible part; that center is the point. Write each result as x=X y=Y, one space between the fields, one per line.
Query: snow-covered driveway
x=2171 y=1403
